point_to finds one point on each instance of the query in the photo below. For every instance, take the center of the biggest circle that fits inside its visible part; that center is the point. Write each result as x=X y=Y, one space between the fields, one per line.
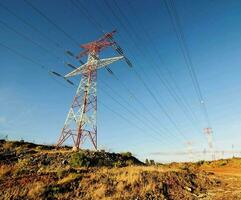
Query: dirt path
x=230 y=187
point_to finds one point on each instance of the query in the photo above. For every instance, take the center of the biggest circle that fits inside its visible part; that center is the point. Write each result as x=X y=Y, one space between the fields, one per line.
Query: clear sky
x=33 y=105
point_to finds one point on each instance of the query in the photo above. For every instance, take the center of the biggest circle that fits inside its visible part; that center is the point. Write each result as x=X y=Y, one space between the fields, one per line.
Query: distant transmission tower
x=208 y=132
x=80 y=123
x=190 y=150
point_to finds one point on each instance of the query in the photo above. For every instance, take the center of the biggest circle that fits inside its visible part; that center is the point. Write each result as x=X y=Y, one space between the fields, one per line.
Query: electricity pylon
x=80 y=123
x=190 y=150
x=208 y=132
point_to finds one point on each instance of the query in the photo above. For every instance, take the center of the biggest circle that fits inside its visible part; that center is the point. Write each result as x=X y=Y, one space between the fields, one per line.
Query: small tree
x=147 y=162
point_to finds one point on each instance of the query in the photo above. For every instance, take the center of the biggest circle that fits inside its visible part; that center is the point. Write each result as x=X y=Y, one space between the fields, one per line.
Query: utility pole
x=80 y=123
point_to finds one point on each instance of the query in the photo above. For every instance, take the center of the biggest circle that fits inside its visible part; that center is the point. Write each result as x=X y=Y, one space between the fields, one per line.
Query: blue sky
x=33 y=105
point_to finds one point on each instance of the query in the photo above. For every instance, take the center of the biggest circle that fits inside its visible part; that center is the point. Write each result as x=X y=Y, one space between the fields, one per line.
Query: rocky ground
x=30 y=171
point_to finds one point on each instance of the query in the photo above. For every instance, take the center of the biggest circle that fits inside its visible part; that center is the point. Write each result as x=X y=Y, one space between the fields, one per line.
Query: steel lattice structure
x=80 y=123
x=208 y=132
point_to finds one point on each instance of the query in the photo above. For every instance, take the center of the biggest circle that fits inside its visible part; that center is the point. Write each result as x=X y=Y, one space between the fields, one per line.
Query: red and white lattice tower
x=80 y=123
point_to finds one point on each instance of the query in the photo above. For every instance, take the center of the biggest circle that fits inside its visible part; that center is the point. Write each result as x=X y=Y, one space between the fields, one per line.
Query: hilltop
x=31 y=171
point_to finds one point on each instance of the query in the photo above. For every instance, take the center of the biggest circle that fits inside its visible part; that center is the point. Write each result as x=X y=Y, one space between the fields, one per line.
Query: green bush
x=60 y=173
x=127 y=154
x=117 y=164
x=79 y=159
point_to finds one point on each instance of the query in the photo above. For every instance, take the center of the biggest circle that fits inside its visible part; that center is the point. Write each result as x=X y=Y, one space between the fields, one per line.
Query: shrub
x=201 y=162
x=152 y=162
x=117 y=164
x=60 y=172
x=127 y=154
x=79 y=159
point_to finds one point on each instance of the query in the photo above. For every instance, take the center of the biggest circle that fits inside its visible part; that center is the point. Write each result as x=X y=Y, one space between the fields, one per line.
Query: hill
x=31 y=171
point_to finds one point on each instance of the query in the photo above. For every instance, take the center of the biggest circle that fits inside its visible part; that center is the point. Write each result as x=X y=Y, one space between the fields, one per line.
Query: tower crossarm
x=90 y=66
x=96 y=46
x=107 y=61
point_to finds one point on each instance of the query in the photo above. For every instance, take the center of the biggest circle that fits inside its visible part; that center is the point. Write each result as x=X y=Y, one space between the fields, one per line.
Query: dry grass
x=8 y=145
x=70 y=177
x=31 y=178
x=5 y=170
x=20 y=167
x=36 y=190
x=100 y=183
x=53 y=151
x=99 y=193
x=116 y=183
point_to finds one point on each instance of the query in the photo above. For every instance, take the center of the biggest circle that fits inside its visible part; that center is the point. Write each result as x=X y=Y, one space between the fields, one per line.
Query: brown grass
x=36 y=190
x=70 y=177
x=116 y=183
x=8 y=145
x=32 y=179
x=5 y=170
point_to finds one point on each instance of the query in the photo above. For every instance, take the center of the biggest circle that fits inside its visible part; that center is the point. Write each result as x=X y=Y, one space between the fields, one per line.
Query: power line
x=83 y=10
x=169 y=88
x=141 y=79
x=31 y=26
x=158 y=103
x=43 y=67
x=124 y=118
x=29 y=39
x=143 y=105
x=135 y=115
x=137 y=100
x=25 y=57
x=51 y=22
x=185 y=52
x=179 y=99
